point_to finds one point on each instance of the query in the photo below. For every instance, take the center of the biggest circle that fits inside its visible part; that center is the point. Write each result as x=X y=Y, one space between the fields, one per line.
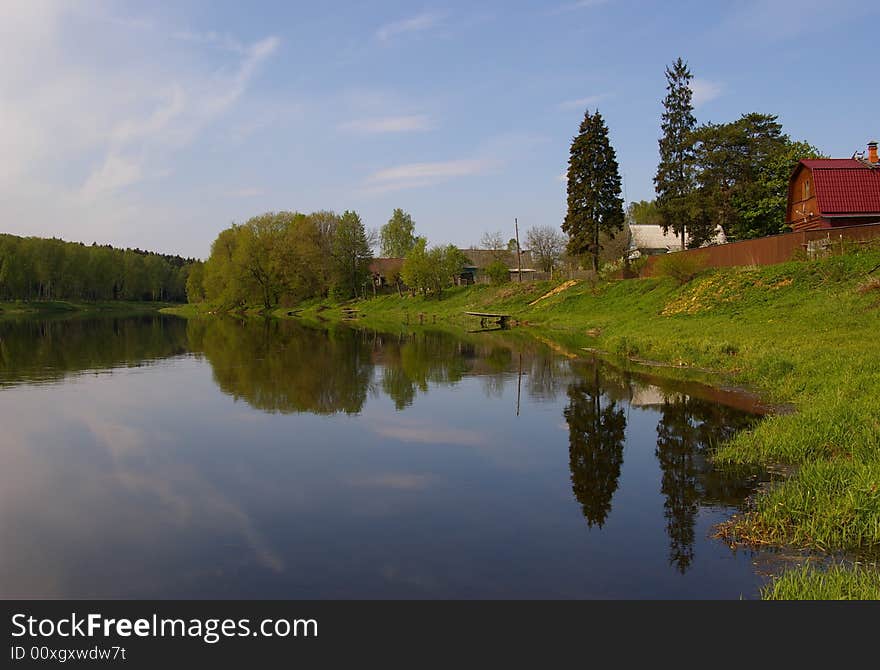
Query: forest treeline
x=33 y=268
x=282 y=258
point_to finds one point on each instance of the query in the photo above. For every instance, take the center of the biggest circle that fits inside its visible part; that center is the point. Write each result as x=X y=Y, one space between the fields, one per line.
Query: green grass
x=834 y=583
x=803 y=333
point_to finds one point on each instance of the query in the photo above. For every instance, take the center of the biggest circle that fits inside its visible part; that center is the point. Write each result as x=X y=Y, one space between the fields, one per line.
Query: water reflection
x=688 y=428
x=276 y=366
x=596 y=433
x=451 y=451
x=40 y=351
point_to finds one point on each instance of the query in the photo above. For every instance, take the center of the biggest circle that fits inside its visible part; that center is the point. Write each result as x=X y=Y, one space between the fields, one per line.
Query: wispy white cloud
x=705 y=91
x=78 y=131
x=417 y=175
x=389 y=124
x=413 y=24
x=135 y=143
x=582 y=103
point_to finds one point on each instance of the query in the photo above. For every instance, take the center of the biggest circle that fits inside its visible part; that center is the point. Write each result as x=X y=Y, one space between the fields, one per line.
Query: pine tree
x=594 y=202
x=674 y=182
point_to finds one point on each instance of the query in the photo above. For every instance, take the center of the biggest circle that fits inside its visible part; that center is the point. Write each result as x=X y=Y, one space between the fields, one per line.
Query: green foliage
x=352 y=256
x=50 y=269
x=838 y=582
x=743 y=169
x=286 y=257
x=498 y=272
x=397 y=237
x=195 y=283
x=730 y=174
x=431 y=270
x=449 y=261
x=644 y=213
x=416 y=271
x=682 y=267
x=675 y=180
x=594 y=202
x=762 y=201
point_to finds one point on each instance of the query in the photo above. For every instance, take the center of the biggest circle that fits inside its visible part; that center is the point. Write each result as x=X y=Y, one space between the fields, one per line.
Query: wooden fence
x=777 y=248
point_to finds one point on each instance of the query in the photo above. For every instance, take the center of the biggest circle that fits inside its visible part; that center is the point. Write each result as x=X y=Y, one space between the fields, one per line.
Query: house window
x=807 y=189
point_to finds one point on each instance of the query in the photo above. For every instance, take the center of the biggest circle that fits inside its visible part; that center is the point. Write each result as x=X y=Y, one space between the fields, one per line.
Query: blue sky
x=158 y=124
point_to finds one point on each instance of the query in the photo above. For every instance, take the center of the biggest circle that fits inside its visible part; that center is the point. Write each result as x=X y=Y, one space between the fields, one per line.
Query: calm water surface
x=153 y=457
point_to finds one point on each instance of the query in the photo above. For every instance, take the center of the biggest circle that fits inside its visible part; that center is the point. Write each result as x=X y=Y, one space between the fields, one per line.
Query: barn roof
x=385 y=266
x=845 y=186
x=482 y=258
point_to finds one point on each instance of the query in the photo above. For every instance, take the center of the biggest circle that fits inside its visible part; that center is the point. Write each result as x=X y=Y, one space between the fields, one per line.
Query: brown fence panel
x=772 y=250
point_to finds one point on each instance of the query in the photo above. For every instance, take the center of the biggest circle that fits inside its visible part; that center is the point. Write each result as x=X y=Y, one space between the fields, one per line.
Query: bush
x=498 y=272
x=681 y=266
x=636 y=266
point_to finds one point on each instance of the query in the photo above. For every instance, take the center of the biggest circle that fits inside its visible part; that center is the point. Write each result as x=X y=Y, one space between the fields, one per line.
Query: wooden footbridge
x=501 y=319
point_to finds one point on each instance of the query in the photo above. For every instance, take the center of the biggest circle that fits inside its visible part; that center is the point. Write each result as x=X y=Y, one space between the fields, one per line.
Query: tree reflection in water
x=287 y=367
x=687 y=430
x=596 y=432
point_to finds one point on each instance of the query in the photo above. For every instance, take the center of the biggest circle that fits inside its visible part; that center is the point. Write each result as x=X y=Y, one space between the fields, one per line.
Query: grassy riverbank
x=50 y=308
x=834 y=583
x=803 y=333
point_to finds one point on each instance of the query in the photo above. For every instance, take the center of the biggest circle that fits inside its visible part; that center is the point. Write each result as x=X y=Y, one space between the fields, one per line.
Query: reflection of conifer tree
x=676 y=446
x=596 y=436
x=687 y=429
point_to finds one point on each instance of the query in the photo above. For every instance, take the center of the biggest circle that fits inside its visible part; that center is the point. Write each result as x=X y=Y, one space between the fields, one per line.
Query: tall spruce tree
x=675 y=180
x=594 y=202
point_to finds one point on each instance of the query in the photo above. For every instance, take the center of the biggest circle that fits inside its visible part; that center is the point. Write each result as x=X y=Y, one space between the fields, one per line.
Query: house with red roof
x=828 y=193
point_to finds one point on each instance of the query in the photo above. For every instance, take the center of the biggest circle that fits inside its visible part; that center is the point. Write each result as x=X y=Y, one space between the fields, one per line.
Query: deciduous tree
x=397 y=237
x=547 y=245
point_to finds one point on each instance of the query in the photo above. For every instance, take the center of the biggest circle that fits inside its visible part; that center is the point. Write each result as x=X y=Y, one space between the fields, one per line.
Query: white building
x=650 y=240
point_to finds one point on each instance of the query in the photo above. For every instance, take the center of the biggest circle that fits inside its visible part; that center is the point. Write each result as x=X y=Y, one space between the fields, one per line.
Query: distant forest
x=33 y=268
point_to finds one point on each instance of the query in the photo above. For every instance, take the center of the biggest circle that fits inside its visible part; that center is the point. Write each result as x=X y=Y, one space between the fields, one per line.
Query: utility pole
x=518 y=250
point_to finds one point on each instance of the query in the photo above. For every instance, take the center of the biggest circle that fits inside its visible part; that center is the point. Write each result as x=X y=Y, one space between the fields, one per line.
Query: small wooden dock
x=501 y=319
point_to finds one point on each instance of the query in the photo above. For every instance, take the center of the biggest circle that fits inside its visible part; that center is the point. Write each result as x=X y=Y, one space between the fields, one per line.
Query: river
x=154 y=457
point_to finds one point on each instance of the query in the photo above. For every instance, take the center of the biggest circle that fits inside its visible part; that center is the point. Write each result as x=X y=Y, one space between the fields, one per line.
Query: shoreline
x=800 y=334
x=53 y=308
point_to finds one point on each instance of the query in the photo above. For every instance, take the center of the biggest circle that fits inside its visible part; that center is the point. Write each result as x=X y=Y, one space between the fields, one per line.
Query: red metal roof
x=845 y=186
x=831 y=163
